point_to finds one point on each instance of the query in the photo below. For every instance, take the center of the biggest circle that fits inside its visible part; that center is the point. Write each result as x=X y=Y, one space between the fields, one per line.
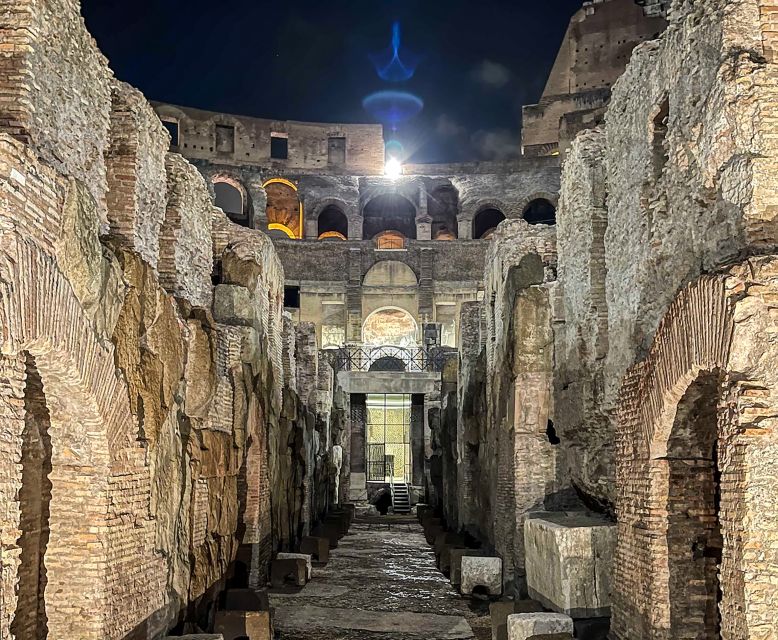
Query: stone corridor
x=381 y=583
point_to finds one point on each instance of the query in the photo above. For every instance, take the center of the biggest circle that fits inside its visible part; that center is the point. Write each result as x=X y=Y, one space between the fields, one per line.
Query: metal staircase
x=401 y=497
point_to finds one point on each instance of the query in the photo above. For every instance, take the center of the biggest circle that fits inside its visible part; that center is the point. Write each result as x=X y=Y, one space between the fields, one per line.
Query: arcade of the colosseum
x=251 y=387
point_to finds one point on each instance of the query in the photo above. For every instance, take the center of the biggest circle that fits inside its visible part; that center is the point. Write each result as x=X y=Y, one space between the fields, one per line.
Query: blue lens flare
x=395 y=149
x=393 y=107
x=389 y=66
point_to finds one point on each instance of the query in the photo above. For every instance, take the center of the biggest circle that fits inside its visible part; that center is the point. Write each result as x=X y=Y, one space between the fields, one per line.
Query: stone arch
x=232 y=197
x=540 y=211
x=688 y=461
x=332 y=222
x=553 y=198
x=392 y=326
x=390 y=273
x=389 y=212
x=92 y=436
x=485 y=222
x=284 y=208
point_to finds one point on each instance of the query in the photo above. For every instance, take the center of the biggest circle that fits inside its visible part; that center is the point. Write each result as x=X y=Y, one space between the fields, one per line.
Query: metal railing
x=386 y=358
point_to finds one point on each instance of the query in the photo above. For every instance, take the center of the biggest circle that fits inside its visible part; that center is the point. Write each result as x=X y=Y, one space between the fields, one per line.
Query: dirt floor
x=381 y=583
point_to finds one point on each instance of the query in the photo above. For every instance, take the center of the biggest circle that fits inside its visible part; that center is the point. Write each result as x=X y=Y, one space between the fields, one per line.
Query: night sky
x=479 y=61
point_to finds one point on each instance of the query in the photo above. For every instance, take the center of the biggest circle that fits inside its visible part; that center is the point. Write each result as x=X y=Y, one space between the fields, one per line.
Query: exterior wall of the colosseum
x=135 y=404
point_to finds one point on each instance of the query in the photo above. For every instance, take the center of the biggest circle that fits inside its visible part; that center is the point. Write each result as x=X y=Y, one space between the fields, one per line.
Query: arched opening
x=391 y=240
x=485 y=223
x=332 y=224
x=230 y=200
x=389 y=212
x=694 y=538
x=284 y=211
x=390 y=326
x=540 y=211
x=442 y=205
x=30 y=620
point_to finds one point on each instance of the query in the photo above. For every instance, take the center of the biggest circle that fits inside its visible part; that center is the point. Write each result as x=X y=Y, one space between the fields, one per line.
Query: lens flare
x=388 y=64
x=393 y=168
x=393 y=107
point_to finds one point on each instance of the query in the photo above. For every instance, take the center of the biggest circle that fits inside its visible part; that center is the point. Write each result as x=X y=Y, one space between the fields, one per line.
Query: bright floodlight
x=393 y=168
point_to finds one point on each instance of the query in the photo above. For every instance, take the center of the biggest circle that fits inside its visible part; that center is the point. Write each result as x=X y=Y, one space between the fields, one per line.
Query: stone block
x=499 y=612
x=540 y=626
x=244 y=600
x=232 y=305
x=293 y=569
x=318 y=548
x=196 y=636
x=299 y=556
x=329 y=531
x=254 y=625
x=481 y=574
x=444 y=558
x=569 y=562
x=455 y=571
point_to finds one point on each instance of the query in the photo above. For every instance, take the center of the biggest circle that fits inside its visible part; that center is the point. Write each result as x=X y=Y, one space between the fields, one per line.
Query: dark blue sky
x=480 y=61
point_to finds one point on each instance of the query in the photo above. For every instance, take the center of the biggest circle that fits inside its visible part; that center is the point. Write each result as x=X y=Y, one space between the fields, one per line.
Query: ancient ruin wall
x=507 y=463
x=678 y=184
x=713 y=348
x=136 y=417
x=582 y=419
x=691 y=161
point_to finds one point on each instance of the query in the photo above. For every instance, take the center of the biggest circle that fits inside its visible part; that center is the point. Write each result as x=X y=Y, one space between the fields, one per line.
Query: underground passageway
x=381 y=583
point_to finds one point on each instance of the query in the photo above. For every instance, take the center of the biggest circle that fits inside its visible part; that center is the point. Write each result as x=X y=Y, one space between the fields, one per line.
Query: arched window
x=390 y=326
x=540 y=211
x=389 y=212
x=230 y=200
x=442 y=206
x=485 y=223
x=392 y=240
x=333 y=224
x=284 y=211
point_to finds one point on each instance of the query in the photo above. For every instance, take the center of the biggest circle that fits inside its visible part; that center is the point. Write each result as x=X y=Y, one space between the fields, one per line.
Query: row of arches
x=389 y=219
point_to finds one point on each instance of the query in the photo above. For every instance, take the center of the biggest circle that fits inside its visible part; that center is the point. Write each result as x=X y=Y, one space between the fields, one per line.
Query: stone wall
x=248 y=141
x=139 y=410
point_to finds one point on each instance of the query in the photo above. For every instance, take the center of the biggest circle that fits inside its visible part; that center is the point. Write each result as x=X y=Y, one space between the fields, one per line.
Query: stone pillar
x=354 y=296
x=417 y=439
x=465 y=229
x=426 y=311
x=358 y=424
x=423 y=219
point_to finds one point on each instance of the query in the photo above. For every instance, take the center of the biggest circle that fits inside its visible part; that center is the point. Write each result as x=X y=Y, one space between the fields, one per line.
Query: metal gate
x=388 y=438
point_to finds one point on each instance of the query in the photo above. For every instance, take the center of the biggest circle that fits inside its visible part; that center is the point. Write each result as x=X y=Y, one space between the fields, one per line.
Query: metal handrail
x=387 y=358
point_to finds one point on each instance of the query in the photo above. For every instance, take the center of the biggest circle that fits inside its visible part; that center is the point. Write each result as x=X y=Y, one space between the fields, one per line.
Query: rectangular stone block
x=456 y=563
x=540 y=626
x=318 y=548
x=254 y=625
x=500 y=611
x=569 y=562
x=299 y=556
x=481 y=573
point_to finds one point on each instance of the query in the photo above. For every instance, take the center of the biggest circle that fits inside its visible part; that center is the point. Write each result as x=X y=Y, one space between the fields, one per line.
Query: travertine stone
x=539 y=626
x=570 y=562
x=233 y=305
x=481 y=572
x=298 y=556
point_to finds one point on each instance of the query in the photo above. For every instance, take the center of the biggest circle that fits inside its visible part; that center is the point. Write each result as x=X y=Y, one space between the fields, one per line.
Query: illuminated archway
x=284 y=208
x=485 y=223
x=390 y=326
x=332 y=223
x=389 y=212
x=390 y=240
